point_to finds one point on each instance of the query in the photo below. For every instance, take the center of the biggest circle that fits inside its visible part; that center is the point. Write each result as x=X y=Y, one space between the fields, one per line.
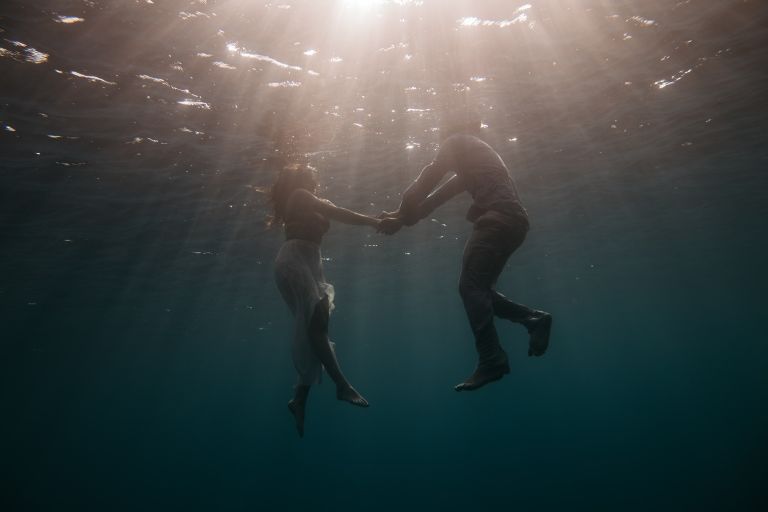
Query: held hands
x=389 y=222
x=389 y=225
x=386 y=214
x=405 y=220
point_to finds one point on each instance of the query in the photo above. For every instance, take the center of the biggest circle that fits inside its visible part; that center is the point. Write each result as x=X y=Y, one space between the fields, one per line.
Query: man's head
x=459 y=120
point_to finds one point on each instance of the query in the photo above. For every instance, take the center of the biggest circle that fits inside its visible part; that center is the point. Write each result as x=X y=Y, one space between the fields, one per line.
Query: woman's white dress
x=300 y=279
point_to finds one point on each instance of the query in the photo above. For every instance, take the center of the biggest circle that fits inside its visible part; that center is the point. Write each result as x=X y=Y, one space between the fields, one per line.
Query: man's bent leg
x=537 y=322
x=508 y=310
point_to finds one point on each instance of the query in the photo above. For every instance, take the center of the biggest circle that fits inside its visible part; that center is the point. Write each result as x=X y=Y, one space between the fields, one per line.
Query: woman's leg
x=297 y=405
x=321 y=344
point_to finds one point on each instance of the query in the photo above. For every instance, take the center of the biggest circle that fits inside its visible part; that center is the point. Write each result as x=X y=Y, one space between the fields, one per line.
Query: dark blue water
x=144 y=355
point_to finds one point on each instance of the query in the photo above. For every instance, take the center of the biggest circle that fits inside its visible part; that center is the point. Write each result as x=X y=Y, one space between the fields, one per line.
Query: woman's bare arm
x=344 y=215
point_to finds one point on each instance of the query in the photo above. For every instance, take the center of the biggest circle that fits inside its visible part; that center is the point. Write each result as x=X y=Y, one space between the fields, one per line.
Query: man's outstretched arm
x=415 y=194
x=445 y=192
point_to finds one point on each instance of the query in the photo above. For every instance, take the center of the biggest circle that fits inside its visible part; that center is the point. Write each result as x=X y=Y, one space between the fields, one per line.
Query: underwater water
x=144 y=355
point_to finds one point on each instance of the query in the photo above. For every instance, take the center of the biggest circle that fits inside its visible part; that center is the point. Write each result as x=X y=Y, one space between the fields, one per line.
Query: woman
x=299 y=275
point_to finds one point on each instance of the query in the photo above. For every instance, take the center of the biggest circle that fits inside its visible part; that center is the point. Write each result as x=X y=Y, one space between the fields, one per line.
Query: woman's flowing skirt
x=300 y=279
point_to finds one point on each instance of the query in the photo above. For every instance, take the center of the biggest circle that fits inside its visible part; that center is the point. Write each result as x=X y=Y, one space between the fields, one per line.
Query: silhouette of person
x=300 y=279
x=500 y=227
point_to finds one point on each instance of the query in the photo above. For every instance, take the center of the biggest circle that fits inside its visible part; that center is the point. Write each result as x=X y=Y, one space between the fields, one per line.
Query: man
x=500 y=225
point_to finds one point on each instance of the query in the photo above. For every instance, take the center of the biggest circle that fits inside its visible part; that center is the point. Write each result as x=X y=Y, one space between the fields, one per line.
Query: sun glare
x=362 y=4
x=367 y=4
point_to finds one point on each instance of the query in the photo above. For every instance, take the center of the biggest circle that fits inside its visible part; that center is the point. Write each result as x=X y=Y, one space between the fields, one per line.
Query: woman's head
x=290 y=178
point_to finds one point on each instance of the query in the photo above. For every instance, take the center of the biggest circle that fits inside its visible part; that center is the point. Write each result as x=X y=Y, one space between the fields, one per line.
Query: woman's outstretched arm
x=344 y=215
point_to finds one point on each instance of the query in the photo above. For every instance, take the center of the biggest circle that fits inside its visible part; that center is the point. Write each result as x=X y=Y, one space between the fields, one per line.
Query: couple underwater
x=500 y=226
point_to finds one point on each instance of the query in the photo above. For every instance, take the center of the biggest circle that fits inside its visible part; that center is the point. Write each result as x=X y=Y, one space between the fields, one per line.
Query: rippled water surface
x=145 y=361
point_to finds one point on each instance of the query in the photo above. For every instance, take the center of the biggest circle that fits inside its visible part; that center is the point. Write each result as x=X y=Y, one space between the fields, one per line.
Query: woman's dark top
x=484 y=174
x=306 y=225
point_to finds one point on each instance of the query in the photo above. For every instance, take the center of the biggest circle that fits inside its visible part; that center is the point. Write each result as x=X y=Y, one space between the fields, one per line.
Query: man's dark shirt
x=484 y=175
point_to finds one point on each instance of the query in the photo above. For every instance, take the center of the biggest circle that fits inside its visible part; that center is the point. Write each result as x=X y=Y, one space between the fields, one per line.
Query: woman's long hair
x=290 y=178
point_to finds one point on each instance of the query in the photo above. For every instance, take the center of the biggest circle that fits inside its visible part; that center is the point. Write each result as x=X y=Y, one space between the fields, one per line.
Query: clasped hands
x=389 y=223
